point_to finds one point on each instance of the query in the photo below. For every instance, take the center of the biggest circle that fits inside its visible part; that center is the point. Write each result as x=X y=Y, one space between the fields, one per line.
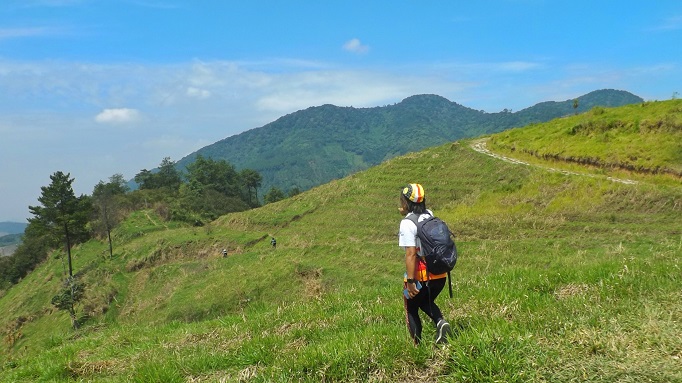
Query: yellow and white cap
x=414 y=192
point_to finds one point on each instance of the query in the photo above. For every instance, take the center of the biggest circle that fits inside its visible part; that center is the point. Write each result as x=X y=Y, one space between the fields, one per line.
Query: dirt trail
x=481 y=147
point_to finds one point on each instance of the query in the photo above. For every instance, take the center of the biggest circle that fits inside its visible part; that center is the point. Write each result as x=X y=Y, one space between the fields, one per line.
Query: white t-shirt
x=407 y=236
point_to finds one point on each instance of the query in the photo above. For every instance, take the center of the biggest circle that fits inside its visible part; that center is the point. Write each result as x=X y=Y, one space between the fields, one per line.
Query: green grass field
x=561 y=278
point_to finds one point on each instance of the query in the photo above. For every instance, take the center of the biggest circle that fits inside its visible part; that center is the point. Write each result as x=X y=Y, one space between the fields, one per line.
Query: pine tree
x=63 y=216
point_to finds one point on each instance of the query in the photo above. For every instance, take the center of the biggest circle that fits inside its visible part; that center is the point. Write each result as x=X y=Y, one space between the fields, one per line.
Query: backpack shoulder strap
x=413 y=217
x=450 y=284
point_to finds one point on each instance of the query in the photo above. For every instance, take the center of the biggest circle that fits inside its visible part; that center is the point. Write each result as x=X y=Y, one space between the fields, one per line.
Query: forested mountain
x=313 y=146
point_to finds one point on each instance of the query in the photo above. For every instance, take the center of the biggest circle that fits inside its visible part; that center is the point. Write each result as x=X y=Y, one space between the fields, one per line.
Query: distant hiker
x=420 y=289
x=273 y=242
x=224 y=253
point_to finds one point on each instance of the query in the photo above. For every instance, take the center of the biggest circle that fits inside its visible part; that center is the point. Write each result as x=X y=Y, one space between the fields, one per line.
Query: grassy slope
x=561 y=278
x=644 y=138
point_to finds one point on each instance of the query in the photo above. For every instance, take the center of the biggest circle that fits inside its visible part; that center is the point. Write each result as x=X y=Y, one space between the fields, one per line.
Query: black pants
x=425 y=301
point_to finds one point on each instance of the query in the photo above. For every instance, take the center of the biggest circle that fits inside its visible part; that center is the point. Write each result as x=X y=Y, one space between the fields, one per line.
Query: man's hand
x=412 y=290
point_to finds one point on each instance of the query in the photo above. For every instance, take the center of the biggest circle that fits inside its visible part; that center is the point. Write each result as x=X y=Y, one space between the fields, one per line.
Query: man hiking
x=421 y=288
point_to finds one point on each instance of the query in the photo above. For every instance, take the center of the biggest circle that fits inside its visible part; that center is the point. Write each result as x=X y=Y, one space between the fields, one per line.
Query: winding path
x=481 y=147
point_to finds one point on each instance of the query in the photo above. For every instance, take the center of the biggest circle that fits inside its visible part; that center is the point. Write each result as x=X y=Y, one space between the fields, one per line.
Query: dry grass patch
x=571 y=290
x=78 y=369
x=312 y=282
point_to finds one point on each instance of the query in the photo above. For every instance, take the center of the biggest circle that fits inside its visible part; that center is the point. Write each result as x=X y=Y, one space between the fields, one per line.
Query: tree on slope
x=107 y=203
x=252 y=180
x=63 y=217
x=213 y=188
x=207 y=173
x=274 y=195
x=167 y=177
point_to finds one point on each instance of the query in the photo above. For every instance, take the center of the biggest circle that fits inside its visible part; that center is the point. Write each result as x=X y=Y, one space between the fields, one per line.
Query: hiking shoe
x=442 y=332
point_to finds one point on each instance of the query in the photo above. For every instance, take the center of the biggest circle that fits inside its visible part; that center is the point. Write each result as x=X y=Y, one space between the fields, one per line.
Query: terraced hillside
x=561 y=278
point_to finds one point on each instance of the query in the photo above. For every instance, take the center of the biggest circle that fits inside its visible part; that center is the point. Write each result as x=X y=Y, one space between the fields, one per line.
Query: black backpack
x=437 y=244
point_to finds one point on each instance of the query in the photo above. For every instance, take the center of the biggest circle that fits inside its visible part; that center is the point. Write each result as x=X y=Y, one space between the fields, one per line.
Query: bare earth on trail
x=481 y=147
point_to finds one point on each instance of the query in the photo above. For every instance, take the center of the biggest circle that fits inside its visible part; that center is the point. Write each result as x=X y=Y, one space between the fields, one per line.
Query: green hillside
x=561 y=278
x=636 y=139
x=319 y=144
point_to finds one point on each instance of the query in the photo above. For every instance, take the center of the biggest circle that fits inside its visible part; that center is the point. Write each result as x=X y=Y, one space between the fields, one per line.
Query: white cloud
x=517 y=66
x=198 y=93
x=355 y=46
x=51 y=3
x=288 y=93
x=670 y=24
x=478 y=68
x=155 y=4
x=11 y=33
x=117 y=116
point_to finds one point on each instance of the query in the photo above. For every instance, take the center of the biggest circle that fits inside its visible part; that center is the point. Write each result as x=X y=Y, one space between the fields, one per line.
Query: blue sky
x=99 y=87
